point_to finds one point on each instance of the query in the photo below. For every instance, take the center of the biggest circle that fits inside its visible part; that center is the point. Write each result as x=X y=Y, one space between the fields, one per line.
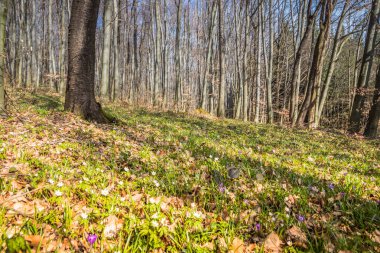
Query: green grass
x=160 y=175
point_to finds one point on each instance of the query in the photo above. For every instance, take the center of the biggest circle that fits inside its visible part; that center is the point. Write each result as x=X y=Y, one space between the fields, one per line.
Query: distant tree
x=374 y=114
x=3 y=20
x=357 y=113
x=105 y=82
x=80 y=94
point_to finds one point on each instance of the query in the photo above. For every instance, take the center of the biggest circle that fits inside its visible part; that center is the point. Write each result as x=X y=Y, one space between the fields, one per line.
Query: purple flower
x=342 y=194
x=222 y=188
x=258 y=226
x=301 y=218
x=331 y=186
x=91 y=238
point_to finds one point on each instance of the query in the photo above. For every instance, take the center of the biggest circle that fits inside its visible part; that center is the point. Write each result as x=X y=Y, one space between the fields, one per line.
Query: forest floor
x=166 y=182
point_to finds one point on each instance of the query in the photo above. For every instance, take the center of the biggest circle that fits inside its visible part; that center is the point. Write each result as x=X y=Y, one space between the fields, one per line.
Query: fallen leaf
x=273 y=243
x=375 y=236
x=237 y=246
x=259 y=177
x=112 y=227
x=297 y=237
x=34 y=240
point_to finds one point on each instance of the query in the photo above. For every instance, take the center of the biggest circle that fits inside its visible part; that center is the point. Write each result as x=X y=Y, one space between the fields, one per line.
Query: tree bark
x=80 y=94
x=105 y=81
x=3 y=21
x=374 y=114
x=357 y=113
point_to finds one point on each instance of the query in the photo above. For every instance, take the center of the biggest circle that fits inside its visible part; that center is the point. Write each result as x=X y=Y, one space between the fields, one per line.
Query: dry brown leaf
x=222 y=244
x=112 y=226
x=35 y=240
x=209 y=246
x=297 y=237
x=375 y=236
x=273 y=243
x=237 y=246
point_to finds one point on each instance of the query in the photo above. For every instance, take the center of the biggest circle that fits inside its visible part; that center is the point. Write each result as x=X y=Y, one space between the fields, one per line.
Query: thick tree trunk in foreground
x=3 y=20
x=80 y=95
x=374 y=113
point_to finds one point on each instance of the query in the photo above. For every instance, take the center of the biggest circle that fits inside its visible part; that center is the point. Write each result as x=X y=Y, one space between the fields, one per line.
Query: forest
x=189 y=125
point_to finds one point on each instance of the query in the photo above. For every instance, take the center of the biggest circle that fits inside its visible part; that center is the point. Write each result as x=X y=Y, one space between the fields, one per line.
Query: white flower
x=85 y=178
x=51 y=181
x=84 y=216
x=58 y=193
x=122 y=199
x=155 y=216
x=216 y=159
x=121 y=183
x=193 y=205
x=197 y=214
x=126 y=169
x=105 y=192
x=154 y=223
x=153 y=173
x=60 y=184
x=156 y=183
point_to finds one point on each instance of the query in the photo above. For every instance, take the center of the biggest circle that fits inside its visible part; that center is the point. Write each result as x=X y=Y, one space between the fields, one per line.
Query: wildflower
x=154 y=223
x=91 y=238
x=122 y=199
x=197 y=214
x=342 y=194
x=58 y=193
x=105 y=192
x=331 y=186
x=153 y=173
x=222 y=188
x=121 y=183
x=84 y=216
x=156 y=183
x=60 y=184
x=51 y=181
x=126 y=169
x=301 y=218
x=216 y=159
x=155 y=216
x=258 y=226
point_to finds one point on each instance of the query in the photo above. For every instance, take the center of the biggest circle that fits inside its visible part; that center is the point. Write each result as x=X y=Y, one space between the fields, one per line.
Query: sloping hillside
x=165 y=182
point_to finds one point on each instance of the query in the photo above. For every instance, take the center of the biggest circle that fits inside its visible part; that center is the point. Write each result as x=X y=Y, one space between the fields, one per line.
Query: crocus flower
x=222 y=188
x=91 y=238
x=301 y=218
x=258 y=226
x=331 y=186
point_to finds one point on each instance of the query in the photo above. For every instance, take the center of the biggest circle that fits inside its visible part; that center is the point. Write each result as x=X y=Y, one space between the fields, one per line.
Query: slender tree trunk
x=270 y=67
x=258 y=68
x=80 y=92
x=222 y=85
x=374 y=114
x=3 y=21
x=208 y=58
x=105 y=81
x=116 y=43
x=177 y=56
x=357 y=113
x=245 y=62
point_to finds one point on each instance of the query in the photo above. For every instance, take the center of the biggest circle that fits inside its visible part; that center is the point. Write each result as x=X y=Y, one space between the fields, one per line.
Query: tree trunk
x=80 y=94
x=105 y=81
x=177 y=57
x=374 y=114
x=222 y=85
x=3 y=21
x=357 y=113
